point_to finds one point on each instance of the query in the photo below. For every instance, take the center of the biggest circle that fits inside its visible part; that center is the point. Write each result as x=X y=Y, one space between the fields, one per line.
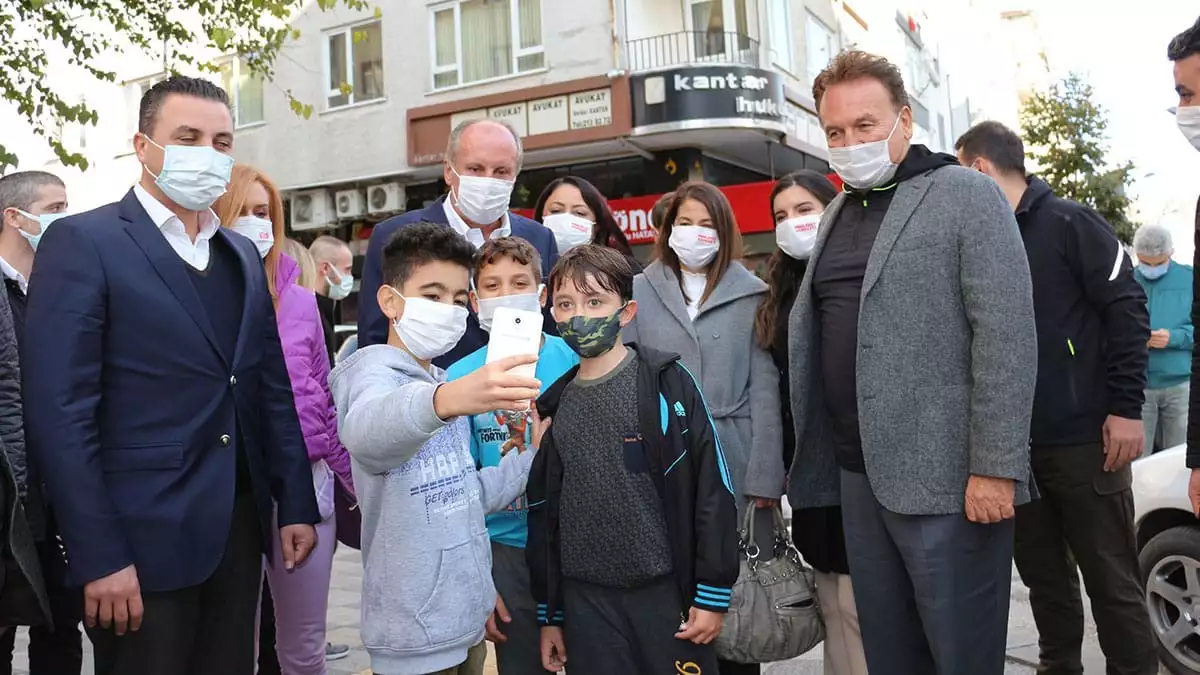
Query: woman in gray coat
x=698 y=301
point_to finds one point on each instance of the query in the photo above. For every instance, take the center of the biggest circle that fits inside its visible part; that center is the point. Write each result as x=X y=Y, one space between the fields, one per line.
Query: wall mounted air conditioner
x=385 y=198
x=311 y=210
x=350 y=203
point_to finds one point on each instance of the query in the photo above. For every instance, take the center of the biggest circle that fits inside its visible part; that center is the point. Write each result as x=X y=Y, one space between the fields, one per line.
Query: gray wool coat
x=737 y=377
x=947 y=352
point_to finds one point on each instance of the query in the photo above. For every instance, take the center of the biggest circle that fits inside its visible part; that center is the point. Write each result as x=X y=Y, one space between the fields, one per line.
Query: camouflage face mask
x=591 y=336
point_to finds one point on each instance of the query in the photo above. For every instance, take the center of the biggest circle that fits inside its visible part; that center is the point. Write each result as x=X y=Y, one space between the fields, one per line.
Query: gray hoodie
x=427 y=583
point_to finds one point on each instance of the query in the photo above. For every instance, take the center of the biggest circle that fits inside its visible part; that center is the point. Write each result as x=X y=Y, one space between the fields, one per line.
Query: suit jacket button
x=225 y=439
x=232 y=380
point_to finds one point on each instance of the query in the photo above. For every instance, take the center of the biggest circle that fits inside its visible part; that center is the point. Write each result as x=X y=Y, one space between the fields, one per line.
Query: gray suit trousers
x=932 y=591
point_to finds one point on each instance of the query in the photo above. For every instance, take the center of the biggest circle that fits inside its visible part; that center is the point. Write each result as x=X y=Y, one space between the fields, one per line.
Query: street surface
x=344 y=616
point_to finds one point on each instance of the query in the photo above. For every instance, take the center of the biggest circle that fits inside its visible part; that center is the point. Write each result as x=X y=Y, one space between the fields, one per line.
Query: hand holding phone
x=515 y=332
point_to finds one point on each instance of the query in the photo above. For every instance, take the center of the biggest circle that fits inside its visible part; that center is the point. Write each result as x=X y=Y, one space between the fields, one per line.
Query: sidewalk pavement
x=344 y=617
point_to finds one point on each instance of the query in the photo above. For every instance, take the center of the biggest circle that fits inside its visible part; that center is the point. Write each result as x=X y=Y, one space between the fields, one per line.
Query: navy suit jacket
x=373 y=325
x=135 y=415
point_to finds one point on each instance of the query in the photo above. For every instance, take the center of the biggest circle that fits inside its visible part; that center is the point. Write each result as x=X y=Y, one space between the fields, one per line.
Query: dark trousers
x=57 y=650
x=933 y=591
x=521 y=653
x=203 y=630
x=629 y=630
x=1084 y=517
x=268 y=660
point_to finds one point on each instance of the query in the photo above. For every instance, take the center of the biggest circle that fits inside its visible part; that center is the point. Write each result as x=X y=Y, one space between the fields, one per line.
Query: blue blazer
x=135 y=415
x=373 y=325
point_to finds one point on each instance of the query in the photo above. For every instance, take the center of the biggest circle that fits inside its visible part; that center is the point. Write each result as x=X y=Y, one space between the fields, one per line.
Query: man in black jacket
x=1093 y=329
x=29 y=202
x=1184 y=52
x=335 y=282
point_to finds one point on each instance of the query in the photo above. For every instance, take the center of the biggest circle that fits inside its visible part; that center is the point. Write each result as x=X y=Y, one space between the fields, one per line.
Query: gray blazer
x=947 y=351
x=737 y=377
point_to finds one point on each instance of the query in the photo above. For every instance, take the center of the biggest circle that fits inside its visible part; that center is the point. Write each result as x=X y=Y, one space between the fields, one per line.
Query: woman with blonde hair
x=252 y=207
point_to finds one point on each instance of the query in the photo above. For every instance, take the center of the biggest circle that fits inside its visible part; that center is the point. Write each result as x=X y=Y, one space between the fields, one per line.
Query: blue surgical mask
x=1152 y=272
x=340 y=289
x=192 y=176
x=44 y=221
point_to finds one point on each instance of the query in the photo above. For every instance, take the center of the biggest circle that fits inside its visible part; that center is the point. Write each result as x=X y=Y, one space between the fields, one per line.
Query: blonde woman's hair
x=308 y=267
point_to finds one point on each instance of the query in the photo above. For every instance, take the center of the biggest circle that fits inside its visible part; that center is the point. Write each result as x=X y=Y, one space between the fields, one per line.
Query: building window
x=713 y=21
x=245 y=91
x=477 y=40
x=819 y=47
x=779 y=18
x=354 y=65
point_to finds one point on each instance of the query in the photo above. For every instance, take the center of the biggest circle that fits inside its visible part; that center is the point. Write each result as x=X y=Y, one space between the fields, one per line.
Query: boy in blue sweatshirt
x=632 y=546
x=427 y=584
x=508 y=273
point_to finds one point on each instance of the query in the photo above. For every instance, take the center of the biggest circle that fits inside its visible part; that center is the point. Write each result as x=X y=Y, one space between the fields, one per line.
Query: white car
x=1168 y=538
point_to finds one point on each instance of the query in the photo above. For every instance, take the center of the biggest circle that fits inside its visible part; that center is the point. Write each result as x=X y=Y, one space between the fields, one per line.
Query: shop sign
x=572 y=112
x=708 y=97
x=591 y=109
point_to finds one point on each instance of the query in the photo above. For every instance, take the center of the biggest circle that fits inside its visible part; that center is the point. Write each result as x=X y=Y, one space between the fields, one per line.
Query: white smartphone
x=515 y=332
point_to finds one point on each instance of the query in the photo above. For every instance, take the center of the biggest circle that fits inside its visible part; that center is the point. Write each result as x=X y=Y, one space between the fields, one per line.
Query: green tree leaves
x=1065 y=133
x=89 y=31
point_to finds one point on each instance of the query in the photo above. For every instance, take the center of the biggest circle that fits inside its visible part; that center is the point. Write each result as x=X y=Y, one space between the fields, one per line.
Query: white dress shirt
x=173 y=230
x=695 y=285
x=11 y=272
x=474 y=234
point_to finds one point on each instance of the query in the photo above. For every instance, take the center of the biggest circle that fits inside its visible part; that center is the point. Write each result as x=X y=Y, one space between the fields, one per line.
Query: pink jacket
x=303 y=338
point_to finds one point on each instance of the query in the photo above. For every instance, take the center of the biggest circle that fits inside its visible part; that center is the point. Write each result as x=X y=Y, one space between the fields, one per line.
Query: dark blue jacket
x=373 y=325
x=135 y=415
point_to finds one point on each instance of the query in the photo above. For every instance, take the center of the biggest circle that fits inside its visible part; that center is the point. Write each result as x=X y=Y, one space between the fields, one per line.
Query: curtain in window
x=368 y=62
x=529 y=17
x=249 y=96
x=708 y=22
x=445 y=47
x=486 y=39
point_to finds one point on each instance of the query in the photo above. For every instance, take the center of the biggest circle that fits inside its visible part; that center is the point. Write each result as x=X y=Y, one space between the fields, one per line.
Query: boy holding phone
x=632 y=537
x=508 y=273
x=427 y=585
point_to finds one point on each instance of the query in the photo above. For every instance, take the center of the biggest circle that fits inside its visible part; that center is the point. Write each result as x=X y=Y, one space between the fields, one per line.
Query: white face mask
x=482 y=200
x=696 y=246
x=797 y=236
x=429 y=329
x=341 y=289
x=569 y=230
x=192 y=176
x=866 y=165
x=530 y=302
x=1188 y=120
x=258 y=230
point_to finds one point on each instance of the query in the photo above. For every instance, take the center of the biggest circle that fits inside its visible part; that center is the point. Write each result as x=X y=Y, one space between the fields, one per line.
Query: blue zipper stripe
x=677 y=460
x=716 y=437
x=727 y=592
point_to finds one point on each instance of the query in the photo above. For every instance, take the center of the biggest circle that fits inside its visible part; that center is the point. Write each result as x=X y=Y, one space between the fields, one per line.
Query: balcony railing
x=690 y=47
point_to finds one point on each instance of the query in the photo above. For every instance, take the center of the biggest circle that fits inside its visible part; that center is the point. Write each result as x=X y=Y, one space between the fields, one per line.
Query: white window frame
x=783 y=55
x=235 y=69
x=133 y=96
x=811 y=70
x=348 y=32
x=514 y=23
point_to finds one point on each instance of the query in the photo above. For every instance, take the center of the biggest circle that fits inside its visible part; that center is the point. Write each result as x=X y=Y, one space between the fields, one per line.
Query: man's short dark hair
x=515 y=249
x=857 y=65
x=1185 y=44
x=152 y=100
x=422 y=243
x=20 y=190
x=607 y=268
x=996 y=143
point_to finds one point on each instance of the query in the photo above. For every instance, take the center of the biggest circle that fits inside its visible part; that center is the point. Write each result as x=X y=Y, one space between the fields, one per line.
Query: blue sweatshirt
x=488 y=435
x=1169 y=298
x=427 y=580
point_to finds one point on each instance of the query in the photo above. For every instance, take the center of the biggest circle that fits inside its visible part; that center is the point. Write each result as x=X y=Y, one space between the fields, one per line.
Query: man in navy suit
x=483 y=157
x=158 y=405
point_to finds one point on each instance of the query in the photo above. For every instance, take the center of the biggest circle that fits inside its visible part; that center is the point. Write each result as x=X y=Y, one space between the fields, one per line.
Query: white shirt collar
x=194 y=253
x=474 y=234
x=11 y=272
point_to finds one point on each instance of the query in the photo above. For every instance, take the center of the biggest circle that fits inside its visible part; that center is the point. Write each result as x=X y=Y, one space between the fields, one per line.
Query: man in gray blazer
x=913 y=358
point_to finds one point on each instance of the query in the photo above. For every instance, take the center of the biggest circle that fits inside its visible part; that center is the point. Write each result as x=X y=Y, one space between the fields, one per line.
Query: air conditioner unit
x=350 y=203
x=311 y=210
x=385 y=198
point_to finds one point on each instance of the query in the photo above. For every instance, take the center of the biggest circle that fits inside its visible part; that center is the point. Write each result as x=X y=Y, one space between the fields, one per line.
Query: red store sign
x=751 y=203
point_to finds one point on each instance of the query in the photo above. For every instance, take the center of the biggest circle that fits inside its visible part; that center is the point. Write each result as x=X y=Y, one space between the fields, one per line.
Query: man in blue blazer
x=482 y=160
x=158 y=405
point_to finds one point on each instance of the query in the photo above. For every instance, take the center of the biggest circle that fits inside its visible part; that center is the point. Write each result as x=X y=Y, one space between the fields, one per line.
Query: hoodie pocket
x=451 y=610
